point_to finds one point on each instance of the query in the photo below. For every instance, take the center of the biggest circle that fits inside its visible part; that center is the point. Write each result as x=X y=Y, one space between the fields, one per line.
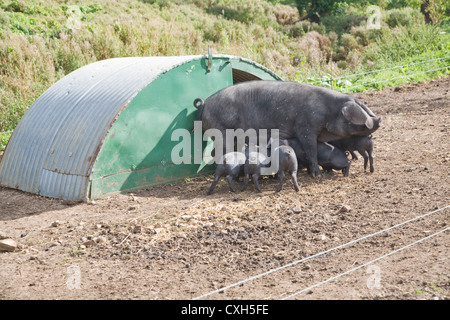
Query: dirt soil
x=175 y=242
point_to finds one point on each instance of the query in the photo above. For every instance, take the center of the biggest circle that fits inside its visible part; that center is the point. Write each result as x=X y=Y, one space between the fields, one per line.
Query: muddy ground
x=175 y=242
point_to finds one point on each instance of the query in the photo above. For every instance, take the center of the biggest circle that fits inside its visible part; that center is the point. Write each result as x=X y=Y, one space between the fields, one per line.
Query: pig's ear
x=356 y=115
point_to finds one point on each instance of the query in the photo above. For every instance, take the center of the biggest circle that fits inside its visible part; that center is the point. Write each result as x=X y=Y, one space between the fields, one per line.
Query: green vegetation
x=42 y=41
x=4 y=137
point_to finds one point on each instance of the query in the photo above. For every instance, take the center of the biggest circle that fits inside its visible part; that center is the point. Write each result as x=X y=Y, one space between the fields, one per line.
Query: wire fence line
x=396 y=78
x=345 y=88
x=319 y=254
x=341 y=84
x=366 y=264
x=385 y=69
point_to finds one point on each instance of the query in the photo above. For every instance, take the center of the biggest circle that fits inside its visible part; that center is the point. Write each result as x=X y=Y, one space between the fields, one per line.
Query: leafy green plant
x=435 y=287
x=403 y=17
x=314 y=10
x=4 y=137
x=418 y=291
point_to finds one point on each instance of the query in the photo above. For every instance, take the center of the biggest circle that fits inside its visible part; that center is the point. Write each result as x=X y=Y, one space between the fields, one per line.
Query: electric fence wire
x=396 y=78
x=365 y=264
x=385 y=69
x=319 y=254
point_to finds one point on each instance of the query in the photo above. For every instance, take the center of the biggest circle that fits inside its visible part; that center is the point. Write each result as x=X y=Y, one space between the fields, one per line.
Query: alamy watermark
x=73 y=281
x=374 y=280
x=374 y=20
x=263 y=141
x=74 y=17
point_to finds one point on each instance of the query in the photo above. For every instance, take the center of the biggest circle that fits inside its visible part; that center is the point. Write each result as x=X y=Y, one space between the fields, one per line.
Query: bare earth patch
x=175 y=242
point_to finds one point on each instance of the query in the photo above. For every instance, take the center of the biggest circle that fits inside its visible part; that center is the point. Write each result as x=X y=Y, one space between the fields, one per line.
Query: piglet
x=362 y=144
x=254 y=161
x=229 y=167
x=287 y=162
x=329 y=157
x=283 y=159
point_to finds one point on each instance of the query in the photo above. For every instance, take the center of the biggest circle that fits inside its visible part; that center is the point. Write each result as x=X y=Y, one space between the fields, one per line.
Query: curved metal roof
x=56 y=142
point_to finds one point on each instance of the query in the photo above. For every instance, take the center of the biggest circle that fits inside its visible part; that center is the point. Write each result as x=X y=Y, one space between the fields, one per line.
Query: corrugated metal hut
x=107 y=126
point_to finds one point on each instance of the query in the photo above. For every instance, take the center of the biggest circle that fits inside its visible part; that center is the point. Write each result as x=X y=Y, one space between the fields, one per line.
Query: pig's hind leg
x=281 y=176
x=294 y=180
x=371 y=160
x=214 y=183
x=255 y=178
x=365 y=156
x=309 y=143
x=230 y=183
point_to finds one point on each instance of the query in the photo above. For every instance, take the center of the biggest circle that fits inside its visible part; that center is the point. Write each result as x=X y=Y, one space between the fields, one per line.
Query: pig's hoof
x=316 y=173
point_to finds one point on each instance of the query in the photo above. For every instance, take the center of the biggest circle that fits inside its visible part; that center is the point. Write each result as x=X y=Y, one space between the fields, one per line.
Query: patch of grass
x=418 y=291
x=76 y=251
x=4 y=137
x=435 y=288
x=403 y=55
